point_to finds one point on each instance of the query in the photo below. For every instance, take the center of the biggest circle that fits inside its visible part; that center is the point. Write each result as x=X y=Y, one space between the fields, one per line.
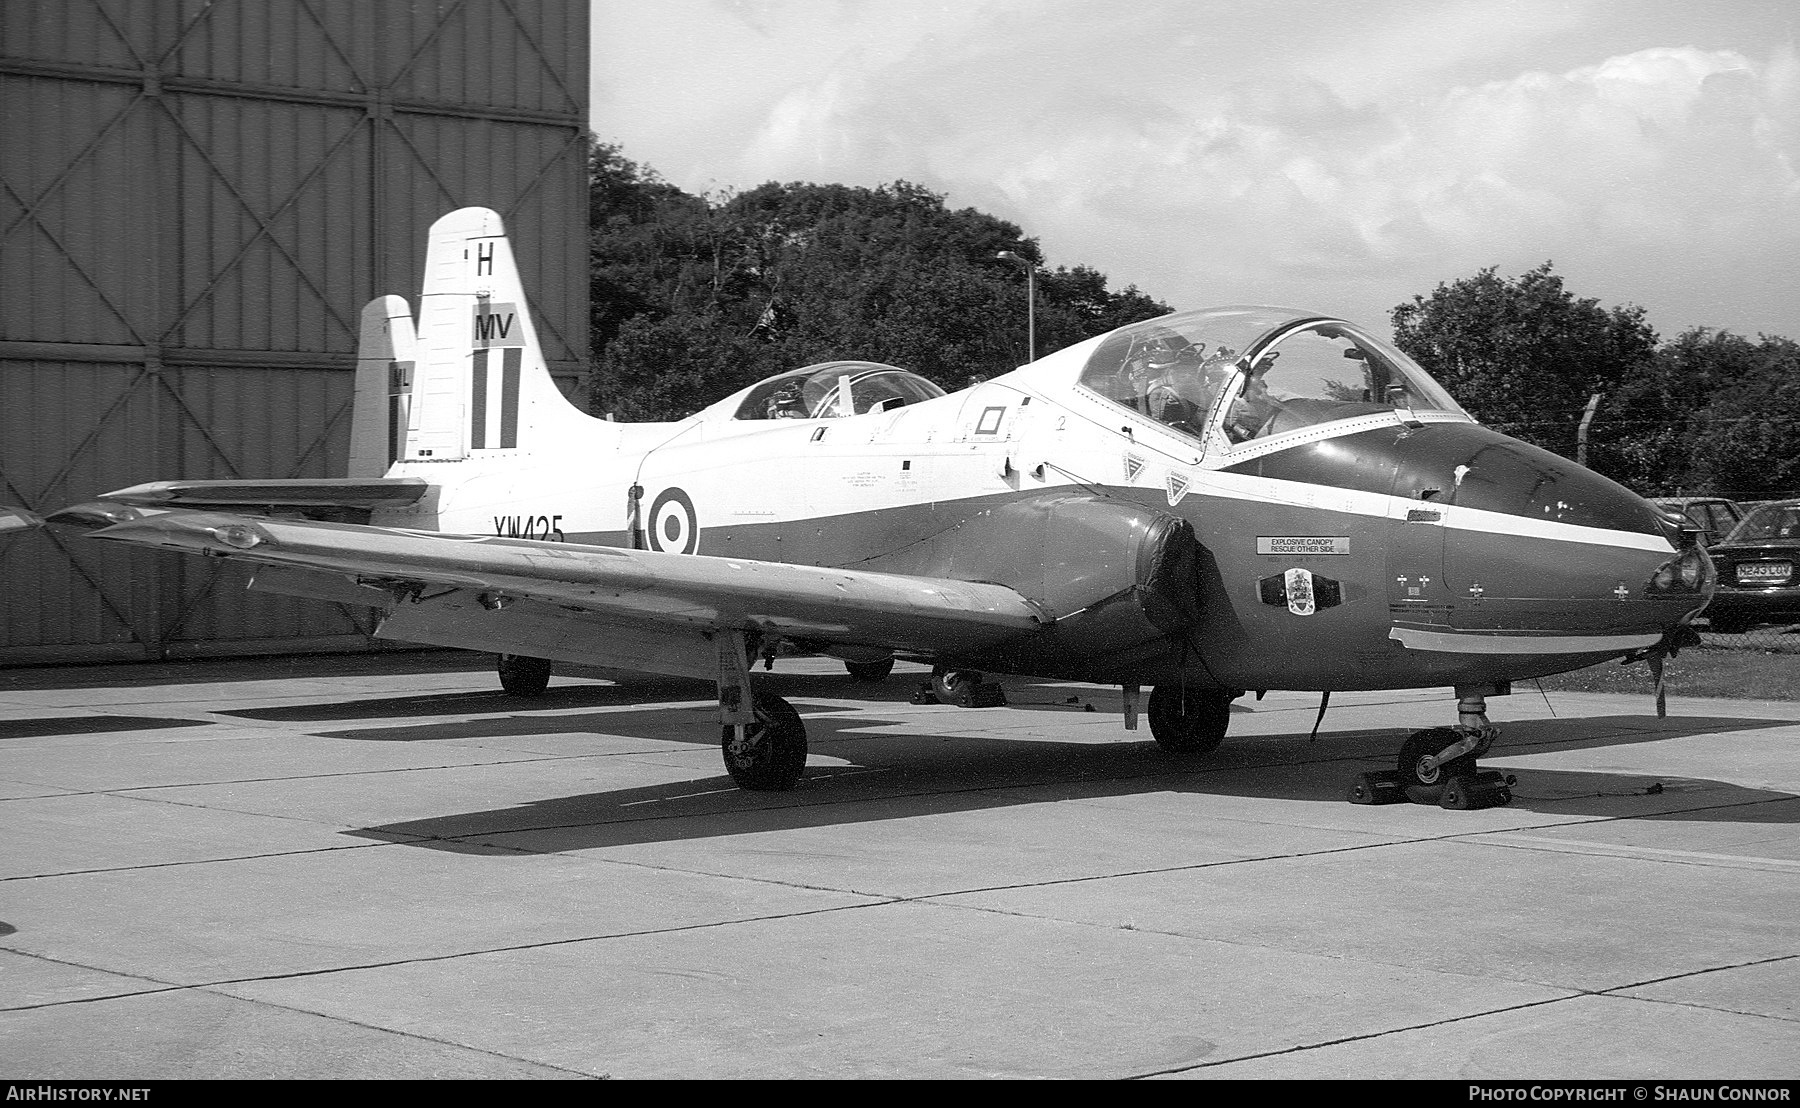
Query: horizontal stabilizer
x=343 y=492
x=92 y=515
x=16 y=519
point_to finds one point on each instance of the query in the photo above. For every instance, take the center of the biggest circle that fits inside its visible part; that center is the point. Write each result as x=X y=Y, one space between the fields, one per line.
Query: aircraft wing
x=388 y=566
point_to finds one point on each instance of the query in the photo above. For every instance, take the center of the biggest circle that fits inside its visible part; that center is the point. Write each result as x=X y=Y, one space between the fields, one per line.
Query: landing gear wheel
x=1191 y=722
x=772 y=754
x=870 y=672
x=524 y=676
x=954 y=686
x=1425 y=785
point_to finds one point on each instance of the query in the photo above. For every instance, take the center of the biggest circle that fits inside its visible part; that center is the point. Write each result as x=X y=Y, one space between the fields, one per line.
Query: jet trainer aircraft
x=1213 y=502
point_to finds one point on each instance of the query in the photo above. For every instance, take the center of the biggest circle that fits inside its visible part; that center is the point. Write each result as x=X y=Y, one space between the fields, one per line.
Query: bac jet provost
x=1213 y=502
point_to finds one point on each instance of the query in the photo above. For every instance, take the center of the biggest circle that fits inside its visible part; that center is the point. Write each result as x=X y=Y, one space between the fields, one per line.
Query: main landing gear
x=523 y=676
x=768 y=754
x=1186 y=721
x=1437 y=765
x=762 y=737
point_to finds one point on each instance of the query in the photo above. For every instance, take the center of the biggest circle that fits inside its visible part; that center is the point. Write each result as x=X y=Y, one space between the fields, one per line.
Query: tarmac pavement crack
x=415 y=1036
x=216 y=988
x=197 y=861
x=286 y=778
x=1301 y=1048
x=1614 y=992
x=390 y=963
x=1618 y=990
x=1638 y=853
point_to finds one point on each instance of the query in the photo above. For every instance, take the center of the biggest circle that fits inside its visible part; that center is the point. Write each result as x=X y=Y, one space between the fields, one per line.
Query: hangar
x=196 y=199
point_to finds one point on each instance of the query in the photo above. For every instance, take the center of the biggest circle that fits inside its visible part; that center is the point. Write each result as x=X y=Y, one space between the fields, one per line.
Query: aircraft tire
x=1189 y=722
x=954 y=686
x=870 y=673
x=773 y=754
x=524 y=676
x=1426 y=786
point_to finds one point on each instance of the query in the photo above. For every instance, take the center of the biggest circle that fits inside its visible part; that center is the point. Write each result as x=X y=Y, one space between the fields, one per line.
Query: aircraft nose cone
x=1685 y=583
x=1536 y=543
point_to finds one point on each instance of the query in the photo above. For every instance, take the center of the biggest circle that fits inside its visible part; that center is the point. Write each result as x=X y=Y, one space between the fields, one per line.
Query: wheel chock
x=1470 y=791
x=987 y=694
x=1376 y=788
x=1466 y=792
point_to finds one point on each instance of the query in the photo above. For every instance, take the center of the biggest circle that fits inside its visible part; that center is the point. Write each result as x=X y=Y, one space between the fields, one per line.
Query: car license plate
x=1764 y=573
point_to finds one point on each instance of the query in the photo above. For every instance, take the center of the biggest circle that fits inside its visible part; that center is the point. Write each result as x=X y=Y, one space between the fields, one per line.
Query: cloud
x=1208 y=152
x=1213 y=178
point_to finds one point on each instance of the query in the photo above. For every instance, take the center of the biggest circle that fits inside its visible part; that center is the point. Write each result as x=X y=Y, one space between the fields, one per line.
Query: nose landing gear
x=1437 y=766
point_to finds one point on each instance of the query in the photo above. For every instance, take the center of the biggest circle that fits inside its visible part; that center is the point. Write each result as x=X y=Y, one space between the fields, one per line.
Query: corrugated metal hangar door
x=196 y=199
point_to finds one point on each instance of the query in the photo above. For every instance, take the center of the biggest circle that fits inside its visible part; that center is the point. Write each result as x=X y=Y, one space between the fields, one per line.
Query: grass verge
x=1739 y=671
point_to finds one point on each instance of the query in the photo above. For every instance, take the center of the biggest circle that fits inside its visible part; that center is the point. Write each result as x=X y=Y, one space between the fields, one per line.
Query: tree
x=696 y=298
x=1524 y=355
x=1716 y=414
x=1745 y=448
x=640 y=231
x=1076 y=305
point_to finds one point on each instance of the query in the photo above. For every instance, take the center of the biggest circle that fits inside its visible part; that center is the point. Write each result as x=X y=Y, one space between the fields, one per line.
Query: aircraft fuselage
x=1436 y=553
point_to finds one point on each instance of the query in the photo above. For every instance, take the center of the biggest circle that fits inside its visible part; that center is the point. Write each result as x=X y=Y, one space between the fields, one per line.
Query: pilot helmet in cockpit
x=1155 y=354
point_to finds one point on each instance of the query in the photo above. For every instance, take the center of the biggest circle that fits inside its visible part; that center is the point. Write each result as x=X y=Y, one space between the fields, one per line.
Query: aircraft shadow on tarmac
x=214 y=671
x=873 y=765
x=481 y=700
x=37 y=727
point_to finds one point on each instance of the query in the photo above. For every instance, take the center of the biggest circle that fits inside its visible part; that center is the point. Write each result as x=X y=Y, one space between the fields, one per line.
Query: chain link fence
x=1774 y=638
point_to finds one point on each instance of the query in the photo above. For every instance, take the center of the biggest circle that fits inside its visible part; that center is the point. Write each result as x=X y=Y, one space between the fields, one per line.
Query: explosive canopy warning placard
x=1303 y=544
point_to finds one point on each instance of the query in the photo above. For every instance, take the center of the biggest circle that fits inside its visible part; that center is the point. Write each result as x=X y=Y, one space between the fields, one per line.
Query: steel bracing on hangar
x=196 y=199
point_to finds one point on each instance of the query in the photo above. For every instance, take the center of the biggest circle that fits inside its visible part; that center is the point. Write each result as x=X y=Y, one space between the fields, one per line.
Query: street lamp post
x=1030 y=302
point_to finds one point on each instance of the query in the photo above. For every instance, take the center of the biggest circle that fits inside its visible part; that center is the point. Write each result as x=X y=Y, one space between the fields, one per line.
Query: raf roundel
x=672 y=527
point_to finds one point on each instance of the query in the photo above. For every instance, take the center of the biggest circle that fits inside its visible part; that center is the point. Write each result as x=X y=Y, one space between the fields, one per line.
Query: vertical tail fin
x=480 y=386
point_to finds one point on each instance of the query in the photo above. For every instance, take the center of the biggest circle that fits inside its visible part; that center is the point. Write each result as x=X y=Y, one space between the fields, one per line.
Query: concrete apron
x=309 y=871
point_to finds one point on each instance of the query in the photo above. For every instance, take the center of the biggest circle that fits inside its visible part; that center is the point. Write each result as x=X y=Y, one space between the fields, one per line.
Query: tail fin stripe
x=478 y=408
x=509 y=398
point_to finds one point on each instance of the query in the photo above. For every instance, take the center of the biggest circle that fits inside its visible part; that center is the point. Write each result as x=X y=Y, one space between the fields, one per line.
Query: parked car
x=1713 y=515
x=1755 y=563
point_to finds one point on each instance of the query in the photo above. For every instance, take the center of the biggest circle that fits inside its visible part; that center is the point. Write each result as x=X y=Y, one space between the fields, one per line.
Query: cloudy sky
x=1335 y=155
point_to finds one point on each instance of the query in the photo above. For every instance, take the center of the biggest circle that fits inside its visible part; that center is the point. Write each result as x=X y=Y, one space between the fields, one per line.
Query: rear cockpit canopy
x=1231 y=376
x=832 y=389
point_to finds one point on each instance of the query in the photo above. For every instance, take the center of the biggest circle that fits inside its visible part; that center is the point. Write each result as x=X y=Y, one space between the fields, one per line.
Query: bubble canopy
x=1252 y=373
x=832 y=389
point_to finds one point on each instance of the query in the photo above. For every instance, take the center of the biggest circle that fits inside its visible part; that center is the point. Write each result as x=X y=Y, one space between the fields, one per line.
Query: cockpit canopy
x=831 y=389
x=1252 y=373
